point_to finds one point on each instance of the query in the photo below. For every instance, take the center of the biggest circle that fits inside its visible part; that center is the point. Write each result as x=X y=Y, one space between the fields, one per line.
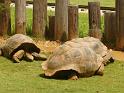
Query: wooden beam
x=61 y=20
x=72 y=22
x=94 y=19
x=20 y=16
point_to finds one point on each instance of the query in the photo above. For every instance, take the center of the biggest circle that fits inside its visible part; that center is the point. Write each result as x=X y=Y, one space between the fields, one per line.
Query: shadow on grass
x=61 y=75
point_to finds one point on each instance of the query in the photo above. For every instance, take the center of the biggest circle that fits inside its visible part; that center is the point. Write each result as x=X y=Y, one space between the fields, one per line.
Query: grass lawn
x=83 y=22
x=26 y=78
x=84 y=2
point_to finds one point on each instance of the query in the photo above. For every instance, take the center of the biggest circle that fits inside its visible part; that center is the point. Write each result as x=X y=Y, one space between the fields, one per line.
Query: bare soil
x=118 y=55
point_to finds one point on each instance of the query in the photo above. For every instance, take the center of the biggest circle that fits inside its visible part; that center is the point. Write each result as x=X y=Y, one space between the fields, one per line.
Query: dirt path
x=118 y=55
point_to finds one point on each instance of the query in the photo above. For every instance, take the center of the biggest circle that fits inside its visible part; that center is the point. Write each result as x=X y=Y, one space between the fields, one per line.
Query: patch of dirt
x=118 y=55
x=2 y=41
x=47 y=46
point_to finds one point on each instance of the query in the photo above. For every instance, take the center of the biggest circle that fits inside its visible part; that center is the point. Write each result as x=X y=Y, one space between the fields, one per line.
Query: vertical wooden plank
x=5 y=18
x=110 y=28
x=94 y=19
x=20 y=16
x=61 y=20
x=39 y=18
x=51 y=33
x=72 y=22
x=120 y=24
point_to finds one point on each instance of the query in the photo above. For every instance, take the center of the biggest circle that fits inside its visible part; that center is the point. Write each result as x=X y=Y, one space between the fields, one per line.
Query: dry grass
x=45 y=46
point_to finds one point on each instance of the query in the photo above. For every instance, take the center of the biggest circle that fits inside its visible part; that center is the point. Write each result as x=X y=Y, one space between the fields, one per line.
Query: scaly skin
x=29 y=57
x=72 y=75
x=73 y=78
x=18 y=56
x=39 y=56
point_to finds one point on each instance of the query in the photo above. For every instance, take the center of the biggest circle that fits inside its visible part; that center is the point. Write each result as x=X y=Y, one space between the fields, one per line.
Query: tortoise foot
x=72 y=75
x=39 y=56
x=16 y=60
x=29 y=57
x=73 y=78
x=18 y=56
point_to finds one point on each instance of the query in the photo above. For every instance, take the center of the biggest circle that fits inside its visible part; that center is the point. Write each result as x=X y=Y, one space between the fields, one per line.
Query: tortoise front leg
x=29 y=57
x=18 y=56
x=39 y=56
x=72 y=75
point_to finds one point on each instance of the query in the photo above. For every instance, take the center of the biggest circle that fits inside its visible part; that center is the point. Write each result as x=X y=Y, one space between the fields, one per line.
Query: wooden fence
x=64 y=25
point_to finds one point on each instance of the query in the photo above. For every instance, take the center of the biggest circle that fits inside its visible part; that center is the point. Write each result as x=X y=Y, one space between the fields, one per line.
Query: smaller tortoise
x=80 y=57
x=20 y=46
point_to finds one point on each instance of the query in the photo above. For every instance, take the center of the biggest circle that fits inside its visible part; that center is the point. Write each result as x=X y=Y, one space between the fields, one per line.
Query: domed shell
x=73 y=55
x=16 y=42
x=93 y=43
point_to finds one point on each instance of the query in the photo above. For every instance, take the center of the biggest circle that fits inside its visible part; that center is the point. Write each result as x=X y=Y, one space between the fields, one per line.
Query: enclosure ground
x=49 y=46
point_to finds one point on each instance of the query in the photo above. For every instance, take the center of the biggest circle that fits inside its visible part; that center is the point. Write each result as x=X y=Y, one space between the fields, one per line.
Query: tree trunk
x=94 y=19
x=61 y=20
x=39 y=18
x=5 y=18
x=120 y=24
x=72 y=22
x=20 y=16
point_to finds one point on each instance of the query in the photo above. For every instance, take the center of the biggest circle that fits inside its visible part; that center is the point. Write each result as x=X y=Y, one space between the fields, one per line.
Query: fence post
x=110 y=28
x=39 y=18
x=61 y=20
x=5 y=18
x=20 y=16
x=94 y=19
x=120 y=24
x=51 y=31
x=72 y=22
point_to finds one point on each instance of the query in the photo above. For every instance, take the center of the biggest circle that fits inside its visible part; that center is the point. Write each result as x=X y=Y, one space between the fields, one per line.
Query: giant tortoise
x=20 y=46
x=80 y=57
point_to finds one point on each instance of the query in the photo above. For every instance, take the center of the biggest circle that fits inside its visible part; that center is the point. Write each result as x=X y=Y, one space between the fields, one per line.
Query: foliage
x=2 y=7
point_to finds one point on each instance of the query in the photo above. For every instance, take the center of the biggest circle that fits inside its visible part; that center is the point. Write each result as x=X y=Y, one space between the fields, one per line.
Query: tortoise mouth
x=28 y=47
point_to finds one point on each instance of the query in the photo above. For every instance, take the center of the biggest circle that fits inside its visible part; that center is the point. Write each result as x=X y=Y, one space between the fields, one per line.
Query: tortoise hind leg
x=100 y=70
x=39 y=56
x=18 y=56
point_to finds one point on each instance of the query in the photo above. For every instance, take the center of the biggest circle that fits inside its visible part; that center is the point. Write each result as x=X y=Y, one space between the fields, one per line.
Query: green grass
x=83 y=22
x=85 y=2
x=25 y=78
